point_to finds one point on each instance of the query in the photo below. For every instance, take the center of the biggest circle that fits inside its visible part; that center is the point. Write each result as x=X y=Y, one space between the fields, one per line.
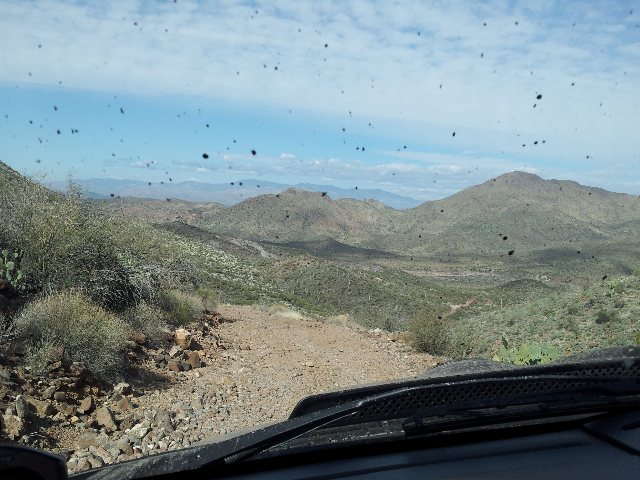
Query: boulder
x=105 y=418
x=86 y=440
x=183 y=338
x=22 y=407
x=194 y=360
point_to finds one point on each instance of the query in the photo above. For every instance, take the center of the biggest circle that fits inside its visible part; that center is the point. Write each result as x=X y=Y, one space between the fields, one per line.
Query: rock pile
x=102 y=423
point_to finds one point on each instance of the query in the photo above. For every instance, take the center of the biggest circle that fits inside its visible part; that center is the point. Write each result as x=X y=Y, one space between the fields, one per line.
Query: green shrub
x=570 y=324
x=604 y=316
x=526 y=354
x=76 y=329
x=67 y=243
x=461 y=344
x=635 y=340
x=209 y=299
x=431 y=334
x=181 y=307
x=573 y=309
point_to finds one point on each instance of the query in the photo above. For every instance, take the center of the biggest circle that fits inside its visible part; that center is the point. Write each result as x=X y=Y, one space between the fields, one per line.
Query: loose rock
x=80 y=370
x=22 y=407
x=14 y=425
x=194 y=360
x=124 y=404
x=122 y=388
x=106 y=418
x=48 y=393
x=60 y=396
x=87 y=405
x=175 y=366
x=175 y=351
x=183 y=338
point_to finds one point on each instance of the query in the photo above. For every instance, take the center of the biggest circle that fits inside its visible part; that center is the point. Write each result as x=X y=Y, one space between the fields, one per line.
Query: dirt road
x=258 y=366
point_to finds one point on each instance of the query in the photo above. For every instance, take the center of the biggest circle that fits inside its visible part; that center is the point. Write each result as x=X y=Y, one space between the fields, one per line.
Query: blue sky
x=407 y=74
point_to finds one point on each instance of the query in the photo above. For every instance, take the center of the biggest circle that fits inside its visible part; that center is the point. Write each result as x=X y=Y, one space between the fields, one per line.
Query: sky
x=420 y=99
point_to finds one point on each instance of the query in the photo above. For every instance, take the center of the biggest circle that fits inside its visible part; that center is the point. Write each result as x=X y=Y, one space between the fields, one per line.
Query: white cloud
x=200 y=169
x=487 y=100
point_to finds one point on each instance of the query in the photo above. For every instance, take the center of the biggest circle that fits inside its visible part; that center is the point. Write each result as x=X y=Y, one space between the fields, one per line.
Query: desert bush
x=461 y=343
x=431 y=334
x=277 y=309
x=181 y=307
x=573 y=309
x=209 y=299
x=604 y=316
x=570 y=324
x=72 y=324
x=147 y=319
x=66 y=243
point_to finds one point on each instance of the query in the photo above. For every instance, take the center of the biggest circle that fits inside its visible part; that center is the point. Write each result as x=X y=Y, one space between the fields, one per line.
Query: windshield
x=211 y=211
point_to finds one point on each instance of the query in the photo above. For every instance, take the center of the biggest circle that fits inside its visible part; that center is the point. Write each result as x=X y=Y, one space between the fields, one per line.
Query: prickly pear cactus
x=9 y=269
x=526 y=354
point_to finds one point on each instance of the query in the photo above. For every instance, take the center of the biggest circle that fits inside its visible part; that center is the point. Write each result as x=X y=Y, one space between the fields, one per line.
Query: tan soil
x=289 y=359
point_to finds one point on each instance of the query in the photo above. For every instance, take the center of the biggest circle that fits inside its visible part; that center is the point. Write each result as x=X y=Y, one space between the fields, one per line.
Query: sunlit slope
x=161 y=211
x=531 y=212
x=534 y=214
x=300 y=216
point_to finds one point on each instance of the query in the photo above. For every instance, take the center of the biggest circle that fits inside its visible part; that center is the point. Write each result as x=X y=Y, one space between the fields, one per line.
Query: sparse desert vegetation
x=148 y=275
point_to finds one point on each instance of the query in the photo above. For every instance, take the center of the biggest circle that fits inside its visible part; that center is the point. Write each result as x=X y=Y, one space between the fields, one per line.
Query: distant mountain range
x=226 y=193
x=518 y=218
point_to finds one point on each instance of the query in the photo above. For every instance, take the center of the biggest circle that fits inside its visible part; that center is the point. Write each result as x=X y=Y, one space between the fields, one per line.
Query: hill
x=543 y=223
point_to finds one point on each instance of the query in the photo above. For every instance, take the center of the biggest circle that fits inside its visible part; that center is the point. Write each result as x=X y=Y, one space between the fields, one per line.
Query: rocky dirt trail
x=256 y=368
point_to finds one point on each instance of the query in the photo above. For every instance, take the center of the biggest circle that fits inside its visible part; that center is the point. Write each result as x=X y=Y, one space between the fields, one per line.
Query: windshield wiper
x=568 y=394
